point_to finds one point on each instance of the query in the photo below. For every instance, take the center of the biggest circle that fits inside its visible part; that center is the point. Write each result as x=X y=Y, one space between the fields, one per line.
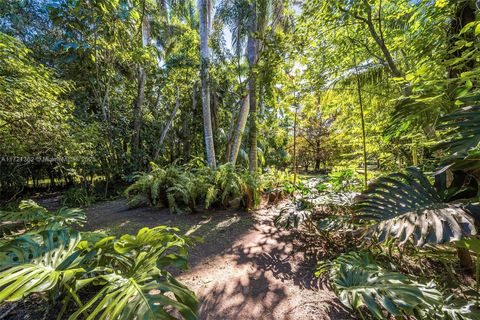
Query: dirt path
x=245 y=269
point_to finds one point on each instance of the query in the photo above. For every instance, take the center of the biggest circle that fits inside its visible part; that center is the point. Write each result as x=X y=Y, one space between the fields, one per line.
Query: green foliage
x=275 y=179
x=132 y=280
x=335 y=223
x=182 y=188
x=39 y=262
x=78 y=197
x=405 y=205
x=30 y=215
x=360 y=281
x=33 y=119
x=292 y=216
x=344 y=180
x=128 y=273
x=462 y=138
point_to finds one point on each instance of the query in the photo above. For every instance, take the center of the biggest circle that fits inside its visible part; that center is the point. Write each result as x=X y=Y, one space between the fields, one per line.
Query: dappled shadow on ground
x=217 y=227
x=245 y=269
x=265 y=274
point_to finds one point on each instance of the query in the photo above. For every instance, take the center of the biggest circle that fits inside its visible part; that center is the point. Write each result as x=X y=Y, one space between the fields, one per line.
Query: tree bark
x=168 y=125
x=252 y=61
x=137 y=110
x=203 y=14
x=295 y=141
x=239 y=129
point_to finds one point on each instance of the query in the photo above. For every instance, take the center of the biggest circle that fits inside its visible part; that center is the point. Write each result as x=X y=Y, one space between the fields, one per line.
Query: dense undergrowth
x=411 y=247
x=186 y=188
x=42 y=253
x=396 y=245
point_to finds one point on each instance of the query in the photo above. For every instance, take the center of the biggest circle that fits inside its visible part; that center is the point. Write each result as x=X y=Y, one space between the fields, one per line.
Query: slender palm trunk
x=203 y=15
x=137 y=110
x=137 y=114
x=168 y=125
x=252 y=61
x=186 y=126
x=239 y=129
x=295 y=140
x=362 y=118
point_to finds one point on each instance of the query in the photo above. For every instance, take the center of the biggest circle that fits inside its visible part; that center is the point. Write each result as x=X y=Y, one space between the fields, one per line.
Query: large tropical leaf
x=32 y=213
x=407 y=206
x=390 y=291
x=360 y=281
x=134 y=285
x=38 y=262
x=291 y=216
x=463 y=132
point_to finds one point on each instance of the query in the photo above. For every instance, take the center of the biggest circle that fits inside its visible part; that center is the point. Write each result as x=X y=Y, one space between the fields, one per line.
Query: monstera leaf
x=33 y=214
x=38 y=262
x=134 y=285
x=291 y=216
x=359 y=281
x=29 y=211
x=407 y=206
x=463 y=132
x=391 y=291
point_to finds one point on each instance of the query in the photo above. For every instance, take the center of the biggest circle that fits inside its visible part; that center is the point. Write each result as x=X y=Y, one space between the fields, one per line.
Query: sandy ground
x=245 y=269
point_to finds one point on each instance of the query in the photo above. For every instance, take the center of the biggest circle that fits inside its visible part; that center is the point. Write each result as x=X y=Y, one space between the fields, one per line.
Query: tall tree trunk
x=252 y=61
x=295 y=141
x=186 y=126
x=137 y=110
x=168 y=125
x=362 y=118
x=215 y=112
x=239 y=129
x=137 y=114
x=204 y=17
x=317 y=156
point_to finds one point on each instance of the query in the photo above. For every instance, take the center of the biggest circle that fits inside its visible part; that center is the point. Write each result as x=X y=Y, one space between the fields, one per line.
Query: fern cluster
x=183 y=188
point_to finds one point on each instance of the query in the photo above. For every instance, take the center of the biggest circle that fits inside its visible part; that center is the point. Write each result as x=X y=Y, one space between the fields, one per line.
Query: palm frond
x=406 y=205
x=463 y=132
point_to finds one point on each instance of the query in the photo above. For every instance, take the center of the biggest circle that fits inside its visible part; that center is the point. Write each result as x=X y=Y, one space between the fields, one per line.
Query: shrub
x=344 y=180
x=128 y=273
x=362 y=282
x=31 y=216
x=184 y=188
x=77 y=197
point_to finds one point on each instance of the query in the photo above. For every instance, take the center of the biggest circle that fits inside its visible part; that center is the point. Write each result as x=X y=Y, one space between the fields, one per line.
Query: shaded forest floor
x=245 y=269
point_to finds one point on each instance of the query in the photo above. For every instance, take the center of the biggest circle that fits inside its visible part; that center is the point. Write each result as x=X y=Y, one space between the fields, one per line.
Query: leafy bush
x=128 y=273
x=30 y=216
x=360 y=281
x=275 y=179
x=183 y=188
x=344 y=180
x=77 y=197
x=292 y=216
